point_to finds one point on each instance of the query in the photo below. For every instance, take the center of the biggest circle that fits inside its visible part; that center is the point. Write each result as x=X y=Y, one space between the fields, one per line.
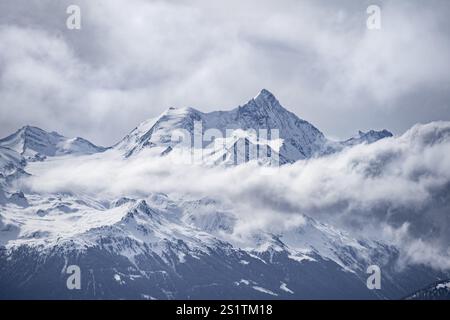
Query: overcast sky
x=133 y=59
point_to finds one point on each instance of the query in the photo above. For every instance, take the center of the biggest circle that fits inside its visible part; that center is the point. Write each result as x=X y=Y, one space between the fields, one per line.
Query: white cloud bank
x=397 y=189
x=132 y=60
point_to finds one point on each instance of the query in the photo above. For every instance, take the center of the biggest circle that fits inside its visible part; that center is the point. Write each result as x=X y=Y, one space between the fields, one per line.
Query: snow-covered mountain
x=252 y=126
x=35 y=144
x=298 y=139
x=153 y=245
x=367 y=137
x=153 y=249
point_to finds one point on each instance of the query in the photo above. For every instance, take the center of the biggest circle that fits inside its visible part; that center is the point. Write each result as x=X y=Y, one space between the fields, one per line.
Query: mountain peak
x=179 y=112
x=372 y=133
x=300 y=138
x=32 y=141
x=32 y=130
x=28 y=128
x=265 y=94
x=370 y=136
x=265 y=99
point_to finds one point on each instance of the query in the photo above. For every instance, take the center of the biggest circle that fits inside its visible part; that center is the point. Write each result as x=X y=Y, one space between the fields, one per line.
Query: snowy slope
x=306 y=239
x=12 y=166
x=299 y=139
x=35 y=143
x=10 y=160
x=232 y=137
x=158 y=246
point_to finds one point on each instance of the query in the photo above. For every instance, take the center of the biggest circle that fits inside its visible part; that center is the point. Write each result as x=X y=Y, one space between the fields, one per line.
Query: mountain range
x=164 y=246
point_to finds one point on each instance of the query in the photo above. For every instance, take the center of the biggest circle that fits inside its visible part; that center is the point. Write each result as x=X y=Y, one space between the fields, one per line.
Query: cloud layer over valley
x=397 y=189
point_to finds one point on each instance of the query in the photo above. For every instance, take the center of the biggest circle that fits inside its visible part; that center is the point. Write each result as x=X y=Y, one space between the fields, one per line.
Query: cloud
x=130 y=62
x=397 y=189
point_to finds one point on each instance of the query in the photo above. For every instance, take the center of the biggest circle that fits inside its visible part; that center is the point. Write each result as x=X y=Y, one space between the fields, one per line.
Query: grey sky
x=133 y=59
